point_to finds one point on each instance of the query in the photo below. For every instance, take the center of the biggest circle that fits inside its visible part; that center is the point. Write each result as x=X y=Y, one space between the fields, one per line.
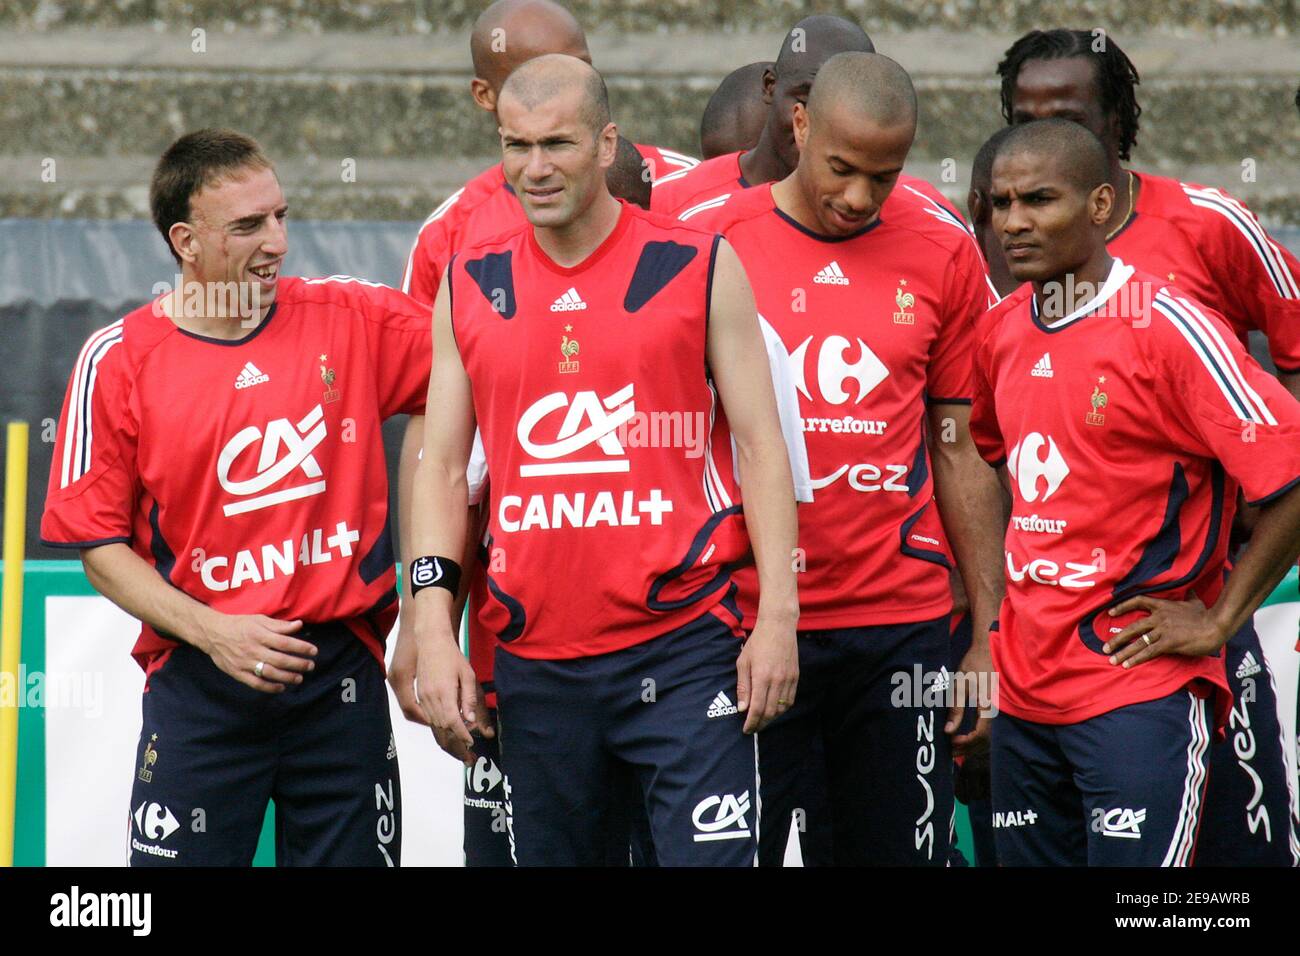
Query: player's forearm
x=1272 y=551
x=970 y=503
x=438 y=527
x=412 y=439
x=768 y=499
x=469 y=563
x=126 y=579
x=408 y=462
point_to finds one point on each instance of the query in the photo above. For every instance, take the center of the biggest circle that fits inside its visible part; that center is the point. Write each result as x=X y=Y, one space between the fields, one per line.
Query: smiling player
x=221 y=472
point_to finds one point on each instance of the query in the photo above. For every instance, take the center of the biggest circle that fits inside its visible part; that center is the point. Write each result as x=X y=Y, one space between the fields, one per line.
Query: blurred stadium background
x=364 y=106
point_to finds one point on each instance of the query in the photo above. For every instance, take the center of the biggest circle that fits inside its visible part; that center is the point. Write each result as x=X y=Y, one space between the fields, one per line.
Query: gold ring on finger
x=1146 y=638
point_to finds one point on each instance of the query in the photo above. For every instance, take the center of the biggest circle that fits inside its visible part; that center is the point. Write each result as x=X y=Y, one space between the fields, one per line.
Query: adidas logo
x=1043 y=367
x=569 y=302
x=831 y=274
x=392 y=748
x=1248 y=666
x=722 y=706
x=251 y=375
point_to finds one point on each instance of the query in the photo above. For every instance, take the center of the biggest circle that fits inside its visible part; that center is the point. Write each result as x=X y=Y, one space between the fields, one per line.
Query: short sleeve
x=400 y=338
x=430 y=254
x=984 y=428
x=1220 y=404
x=965 y=298
x=1260 y=278
x=93 y=477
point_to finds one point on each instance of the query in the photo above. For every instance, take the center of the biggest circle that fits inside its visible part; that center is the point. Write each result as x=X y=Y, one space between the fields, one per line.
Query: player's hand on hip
x=978 y=662
x=1170 y=627
x=767 y=674
x=401 y=672
x=259 y=651
x=447 y=690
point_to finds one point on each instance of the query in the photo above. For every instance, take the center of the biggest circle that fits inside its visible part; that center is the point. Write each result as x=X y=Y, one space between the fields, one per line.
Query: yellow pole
x=11 y=622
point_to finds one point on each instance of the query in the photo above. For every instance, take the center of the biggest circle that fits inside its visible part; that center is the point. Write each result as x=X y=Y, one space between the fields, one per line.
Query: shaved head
x=1074 y=151
x=807 y=47
x=1052 y=199
x=629 y=176
x=509 y=33
x=814 y=40
x=734 y=116
x=873 y=86
x=557 y=141
x=544 y=78
x=981 y=170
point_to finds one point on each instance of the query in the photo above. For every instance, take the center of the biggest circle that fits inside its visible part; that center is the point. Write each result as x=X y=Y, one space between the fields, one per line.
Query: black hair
x=1116 y=75
x=196 y=160
x=1081 y=154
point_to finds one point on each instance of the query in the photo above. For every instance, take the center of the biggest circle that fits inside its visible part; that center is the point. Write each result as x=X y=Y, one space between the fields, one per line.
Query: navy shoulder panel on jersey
x=659 y=264
x=495 y=279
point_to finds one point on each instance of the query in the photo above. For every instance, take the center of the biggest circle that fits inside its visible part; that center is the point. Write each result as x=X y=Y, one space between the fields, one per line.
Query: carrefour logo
x=1028 y=467
x=833 y=370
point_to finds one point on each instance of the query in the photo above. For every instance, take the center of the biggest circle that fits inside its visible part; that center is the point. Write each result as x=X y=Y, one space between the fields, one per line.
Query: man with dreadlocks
x=1202 y=239
x=1210 y=246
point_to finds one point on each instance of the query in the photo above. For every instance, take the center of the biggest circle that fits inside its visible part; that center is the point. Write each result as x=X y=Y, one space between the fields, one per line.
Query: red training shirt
x=604 y=532
x=250 y=473
x=1208 y=244
x=876 y=325
x=1126 y=427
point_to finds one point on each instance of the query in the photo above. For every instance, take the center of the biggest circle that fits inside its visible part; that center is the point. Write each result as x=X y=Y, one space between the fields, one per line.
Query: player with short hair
x=735 y=115
x=877 y=299
x=219 y=466
x=980 y=211
x=809 y=44
x=1209 y=245
x=506 y=34
x=613 y=604
x=1123 y=414
x=628 y=177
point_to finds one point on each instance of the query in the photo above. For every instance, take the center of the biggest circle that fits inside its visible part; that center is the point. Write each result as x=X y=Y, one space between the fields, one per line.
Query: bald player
x=1123 y=416
x=612 y=602
x=507 y=34
x=628 y=177
x=808 y=45
x=736 y=112
x=876 y=299
x=1205 y=242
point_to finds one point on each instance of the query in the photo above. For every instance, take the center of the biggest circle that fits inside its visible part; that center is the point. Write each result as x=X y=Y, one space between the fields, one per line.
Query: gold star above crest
x=322 y=357
x=568 y=328
x=1102 y=379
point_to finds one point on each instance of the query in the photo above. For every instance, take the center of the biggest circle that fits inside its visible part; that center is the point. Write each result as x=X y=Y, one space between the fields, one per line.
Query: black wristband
x=432 y=571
